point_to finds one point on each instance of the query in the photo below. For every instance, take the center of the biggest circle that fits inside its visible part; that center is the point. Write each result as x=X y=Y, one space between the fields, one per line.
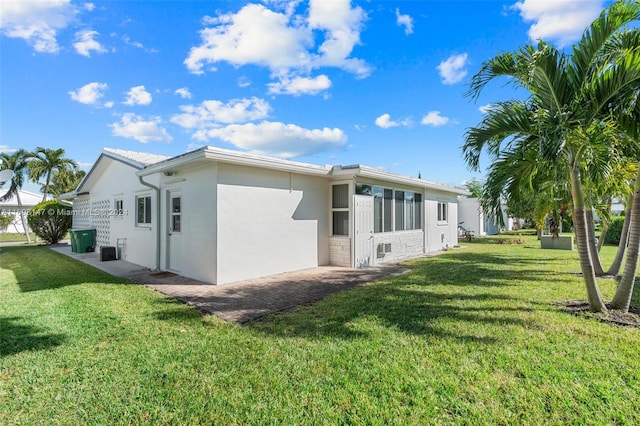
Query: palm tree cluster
x=60 y=174
x=573 y=142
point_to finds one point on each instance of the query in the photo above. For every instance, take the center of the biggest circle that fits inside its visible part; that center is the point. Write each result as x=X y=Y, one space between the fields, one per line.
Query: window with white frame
x=340 y=209
x=143 y=209
x=382 y=206
x=442 y=211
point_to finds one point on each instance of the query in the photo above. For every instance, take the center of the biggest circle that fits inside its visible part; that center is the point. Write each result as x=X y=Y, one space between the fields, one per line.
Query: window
x=409 y=210
x=363 y=189
x=418 y=210
x=143 y=209
x=340 y=209
x=442 y=212
x=118 y=207
x=382 y=217
x=399 y=210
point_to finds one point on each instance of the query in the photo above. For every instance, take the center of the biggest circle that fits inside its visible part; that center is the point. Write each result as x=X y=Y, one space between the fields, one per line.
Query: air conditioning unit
x=108 y=253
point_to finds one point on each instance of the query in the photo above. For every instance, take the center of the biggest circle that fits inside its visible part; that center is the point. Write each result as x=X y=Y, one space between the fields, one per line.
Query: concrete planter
x=563 y=242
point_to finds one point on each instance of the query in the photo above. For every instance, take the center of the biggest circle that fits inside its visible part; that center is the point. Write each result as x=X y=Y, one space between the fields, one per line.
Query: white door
x=174 y=240
x=364 y=230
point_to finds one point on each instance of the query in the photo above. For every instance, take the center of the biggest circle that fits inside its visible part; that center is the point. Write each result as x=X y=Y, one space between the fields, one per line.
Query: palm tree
x=65 y=180
x=628 y=119
x=18 y=163
x=569 y=95
x=44 y=162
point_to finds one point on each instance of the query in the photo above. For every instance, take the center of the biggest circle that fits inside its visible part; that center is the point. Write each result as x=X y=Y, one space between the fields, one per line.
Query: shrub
x=50 y=220
x=614 y=231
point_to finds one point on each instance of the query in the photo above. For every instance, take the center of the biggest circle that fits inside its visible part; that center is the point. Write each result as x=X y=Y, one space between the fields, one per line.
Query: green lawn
x=468 y=337
x=7 y=237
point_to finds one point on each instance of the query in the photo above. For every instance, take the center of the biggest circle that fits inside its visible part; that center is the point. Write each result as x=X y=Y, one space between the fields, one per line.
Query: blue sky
x=379 y=83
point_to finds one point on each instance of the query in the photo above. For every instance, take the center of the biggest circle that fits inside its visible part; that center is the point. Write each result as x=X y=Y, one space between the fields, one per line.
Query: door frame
x=355 y=231
x=170 y=194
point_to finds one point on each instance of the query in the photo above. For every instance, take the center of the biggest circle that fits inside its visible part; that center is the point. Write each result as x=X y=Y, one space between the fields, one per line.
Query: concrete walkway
x=246 y=300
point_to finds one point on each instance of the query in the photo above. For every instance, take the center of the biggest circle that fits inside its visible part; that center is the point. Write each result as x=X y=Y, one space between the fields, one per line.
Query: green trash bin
x=85 y=240
x=74 y=240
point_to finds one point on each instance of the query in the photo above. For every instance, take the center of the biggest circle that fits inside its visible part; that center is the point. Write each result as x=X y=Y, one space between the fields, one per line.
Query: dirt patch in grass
x=581 y=307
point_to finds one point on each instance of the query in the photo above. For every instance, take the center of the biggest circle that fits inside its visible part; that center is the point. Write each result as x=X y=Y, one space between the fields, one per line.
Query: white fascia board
x=372 y=173
x=234 y=157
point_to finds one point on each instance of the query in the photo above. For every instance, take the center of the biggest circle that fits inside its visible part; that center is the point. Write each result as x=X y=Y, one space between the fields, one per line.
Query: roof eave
x=372 y=173
x=232 y=157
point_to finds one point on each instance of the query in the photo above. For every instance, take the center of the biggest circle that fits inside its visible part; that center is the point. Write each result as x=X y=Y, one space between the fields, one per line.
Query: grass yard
x=8 y=237
x=468 y=337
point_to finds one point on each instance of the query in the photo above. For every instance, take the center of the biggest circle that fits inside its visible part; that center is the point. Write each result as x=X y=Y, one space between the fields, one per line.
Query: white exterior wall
x=440 y=235
x=197 y=251
x=269 y=222
x=16 y=226
x=118 y=181
x=470 y=213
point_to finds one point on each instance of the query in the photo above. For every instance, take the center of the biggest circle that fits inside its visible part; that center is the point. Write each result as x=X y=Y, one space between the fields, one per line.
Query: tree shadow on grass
x=459 y=296
x=480 y=269
x=16 y=337
x=414 y=311
x=38 y=268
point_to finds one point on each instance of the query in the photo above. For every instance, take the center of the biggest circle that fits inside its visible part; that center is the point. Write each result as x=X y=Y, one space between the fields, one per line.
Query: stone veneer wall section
x=403 y=244
x=340 y=251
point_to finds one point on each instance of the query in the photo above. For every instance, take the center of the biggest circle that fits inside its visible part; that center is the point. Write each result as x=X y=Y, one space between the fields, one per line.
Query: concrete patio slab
x=246 y=300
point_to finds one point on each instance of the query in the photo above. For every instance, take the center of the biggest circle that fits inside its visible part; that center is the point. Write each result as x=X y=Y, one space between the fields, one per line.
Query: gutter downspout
x=157 y=268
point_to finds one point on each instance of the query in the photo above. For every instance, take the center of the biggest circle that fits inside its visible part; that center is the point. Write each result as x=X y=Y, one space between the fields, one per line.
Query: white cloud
x=560 y=20
x=254 y=35
x=127 y=40
x=244 y=81
x=341 y=25
x=452 y=69
x=138 y=96
x=485 y=108
x=183 y=92
x=108 y=104
x=433 y=118
x=85 y=44
x=89 y=6
x=89 y=94
x=214 y=113
x=405 y=21
x=283 y=42
x=133 y=126
x=36 y=22
x=300 y=85
x=5 y=148
x=277 y=139
x=385 y=122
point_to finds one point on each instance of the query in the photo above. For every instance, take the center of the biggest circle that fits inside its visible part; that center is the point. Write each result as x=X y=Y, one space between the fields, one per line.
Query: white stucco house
x=472 y=218
x=11 y=208
x=222 y=216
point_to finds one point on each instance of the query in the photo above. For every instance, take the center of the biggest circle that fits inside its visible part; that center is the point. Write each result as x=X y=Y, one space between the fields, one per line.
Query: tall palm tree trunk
x=624 y=237
x=605 y=228
x=46 y=186
x=25 y=225
x=593 y=243
x=596 y=304
x=622 y=298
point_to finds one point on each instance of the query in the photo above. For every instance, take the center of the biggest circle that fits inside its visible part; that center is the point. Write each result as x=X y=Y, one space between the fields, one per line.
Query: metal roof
x=142 y=159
